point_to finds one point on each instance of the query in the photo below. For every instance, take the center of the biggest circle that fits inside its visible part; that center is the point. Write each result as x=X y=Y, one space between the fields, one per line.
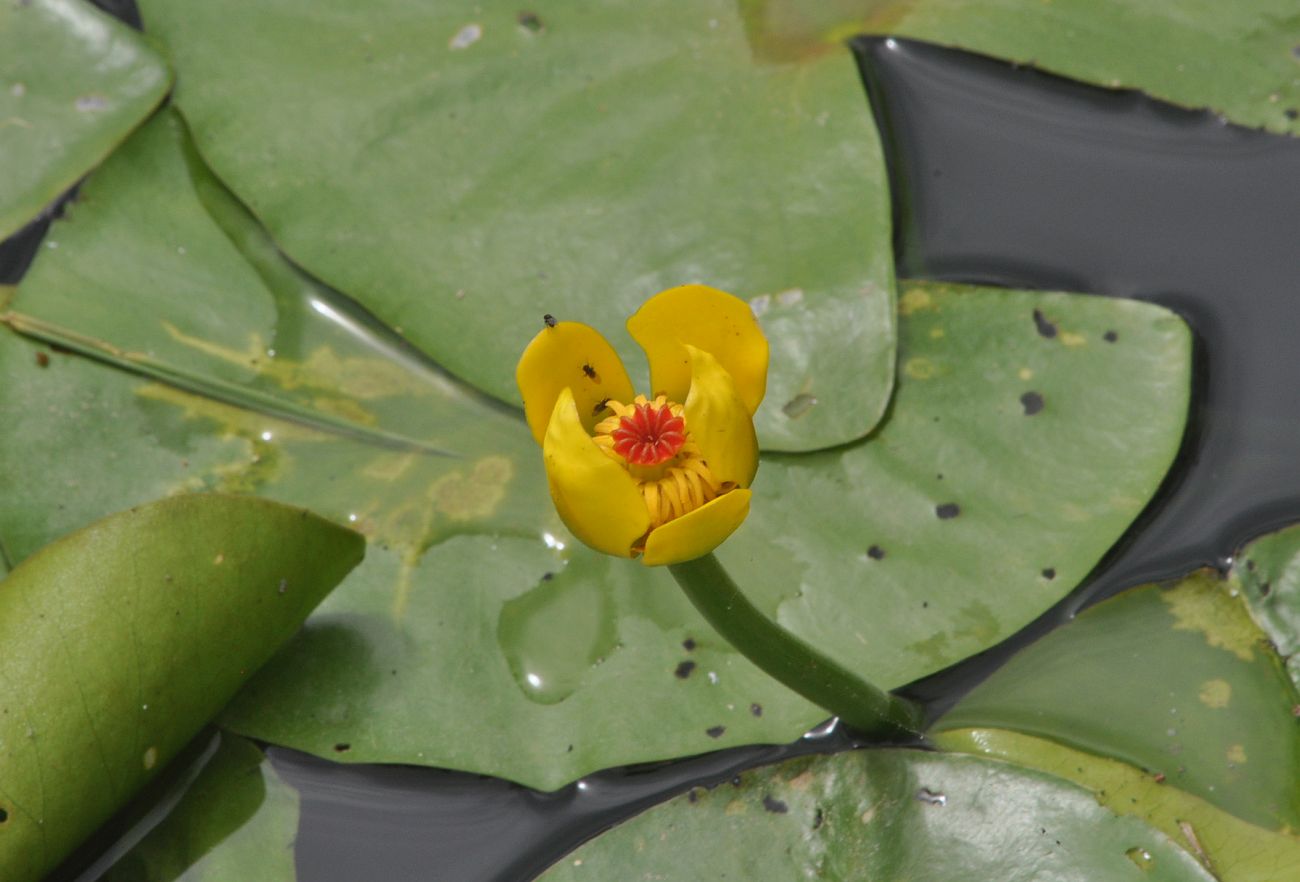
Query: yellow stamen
x=671 y=488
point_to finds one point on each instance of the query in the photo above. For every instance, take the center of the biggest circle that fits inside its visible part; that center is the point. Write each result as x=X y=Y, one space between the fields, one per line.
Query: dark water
x=1000 y=175
x=1013 y=177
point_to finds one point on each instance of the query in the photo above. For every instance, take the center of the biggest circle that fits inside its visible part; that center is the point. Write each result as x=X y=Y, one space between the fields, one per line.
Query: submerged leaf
x=122 y=639
x=73 y=83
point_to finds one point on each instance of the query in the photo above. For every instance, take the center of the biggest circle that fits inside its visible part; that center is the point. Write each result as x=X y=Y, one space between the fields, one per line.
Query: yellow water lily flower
x=664 y=476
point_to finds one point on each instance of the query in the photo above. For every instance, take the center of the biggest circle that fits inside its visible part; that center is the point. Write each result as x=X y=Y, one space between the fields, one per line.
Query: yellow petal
x=574 y=356
x=597 y=499
x=719 y=421
x=696 y=533
x=707 y=319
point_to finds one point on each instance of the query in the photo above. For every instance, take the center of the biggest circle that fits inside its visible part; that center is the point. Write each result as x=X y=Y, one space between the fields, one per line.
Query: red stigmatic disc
x=650 y=435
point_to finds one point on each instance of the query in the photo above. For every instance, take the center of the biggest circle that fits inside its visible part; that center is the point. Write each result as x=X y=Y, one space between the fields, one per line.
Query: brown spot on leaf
x=42 y=360
x=1032 y=402
x=799 y=405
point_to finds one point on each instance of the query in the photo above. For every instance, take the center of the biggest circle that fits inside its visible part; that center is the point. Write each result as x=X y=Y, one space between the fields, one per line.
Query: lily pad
x=886 y=814
x=73 y=83
x=1241 y=60
x=461 y=170
x=237 y=820
x=1018 y=448
x=239 y=373
x=535 y=659
x=124 y=638
x=1268 y=574
x=1177 y=682
x=1232 y=849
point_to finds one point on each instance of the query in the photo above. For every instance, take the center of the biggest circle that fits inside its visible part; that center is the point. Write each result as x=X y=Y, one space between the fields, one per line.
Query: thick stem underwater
x=784 y=656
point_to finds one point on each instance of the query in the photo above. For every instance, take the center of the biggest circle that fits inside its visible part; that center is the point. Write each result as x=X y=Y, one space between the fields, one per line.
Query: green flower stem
x=781 y=654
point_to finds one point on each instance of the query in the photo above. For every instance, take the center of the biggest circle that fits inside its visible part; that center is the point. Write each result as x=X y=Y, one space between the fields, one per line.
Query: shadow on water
x=1001 y=175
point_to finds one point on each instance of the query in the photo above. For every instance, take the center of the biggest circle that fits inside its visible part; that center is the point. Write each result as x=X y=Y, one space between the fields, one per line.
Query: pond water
x=1001 y=175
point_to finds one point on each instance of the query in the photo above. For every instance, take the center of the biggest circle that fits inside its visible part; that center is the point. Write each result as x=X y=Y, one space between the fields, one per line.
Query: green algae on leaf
x=121 y=640
x=236 y=821
x=883 y=814
x=1237 y=59
x=461 y=188
x=257 y=379
x=73 y=83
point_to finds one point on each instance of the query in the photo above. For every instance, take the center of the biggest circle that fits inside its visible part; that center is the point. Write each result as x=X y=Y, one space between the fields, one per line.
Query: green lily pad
x=1268 y=574
x=123 y=639
x=241 y=374
x=1240 y=59
x=73 y=83
x=461 y=170
x=1017 y=450
x=887 y=814
x=1232 y=849
x=1177 y=682
x=535 y=659
x=237 y=820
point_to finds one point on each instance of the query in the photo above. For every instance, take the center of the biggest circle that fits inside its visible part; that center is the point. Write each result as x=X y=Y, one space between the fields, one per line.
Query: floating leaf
x=237 y=820
x=1018 y=448
x=463 y=170
x=534 y=658
x=1268 y=573
x=883 y=814
x=73 y=83
x=1238 y=59
x=1234 y=850
x=1177 y=682
x=124 y=638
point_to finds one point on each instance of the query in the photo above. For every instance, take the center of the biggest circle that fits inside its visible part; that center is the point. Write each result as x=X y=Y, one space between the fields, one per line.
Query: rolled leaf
x=121 y=640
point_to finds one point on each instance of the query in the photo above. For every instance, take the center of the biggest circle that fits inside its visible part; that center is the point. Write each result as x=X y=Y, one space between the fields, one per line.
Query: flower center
x=650 y=438
x=650 y=434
